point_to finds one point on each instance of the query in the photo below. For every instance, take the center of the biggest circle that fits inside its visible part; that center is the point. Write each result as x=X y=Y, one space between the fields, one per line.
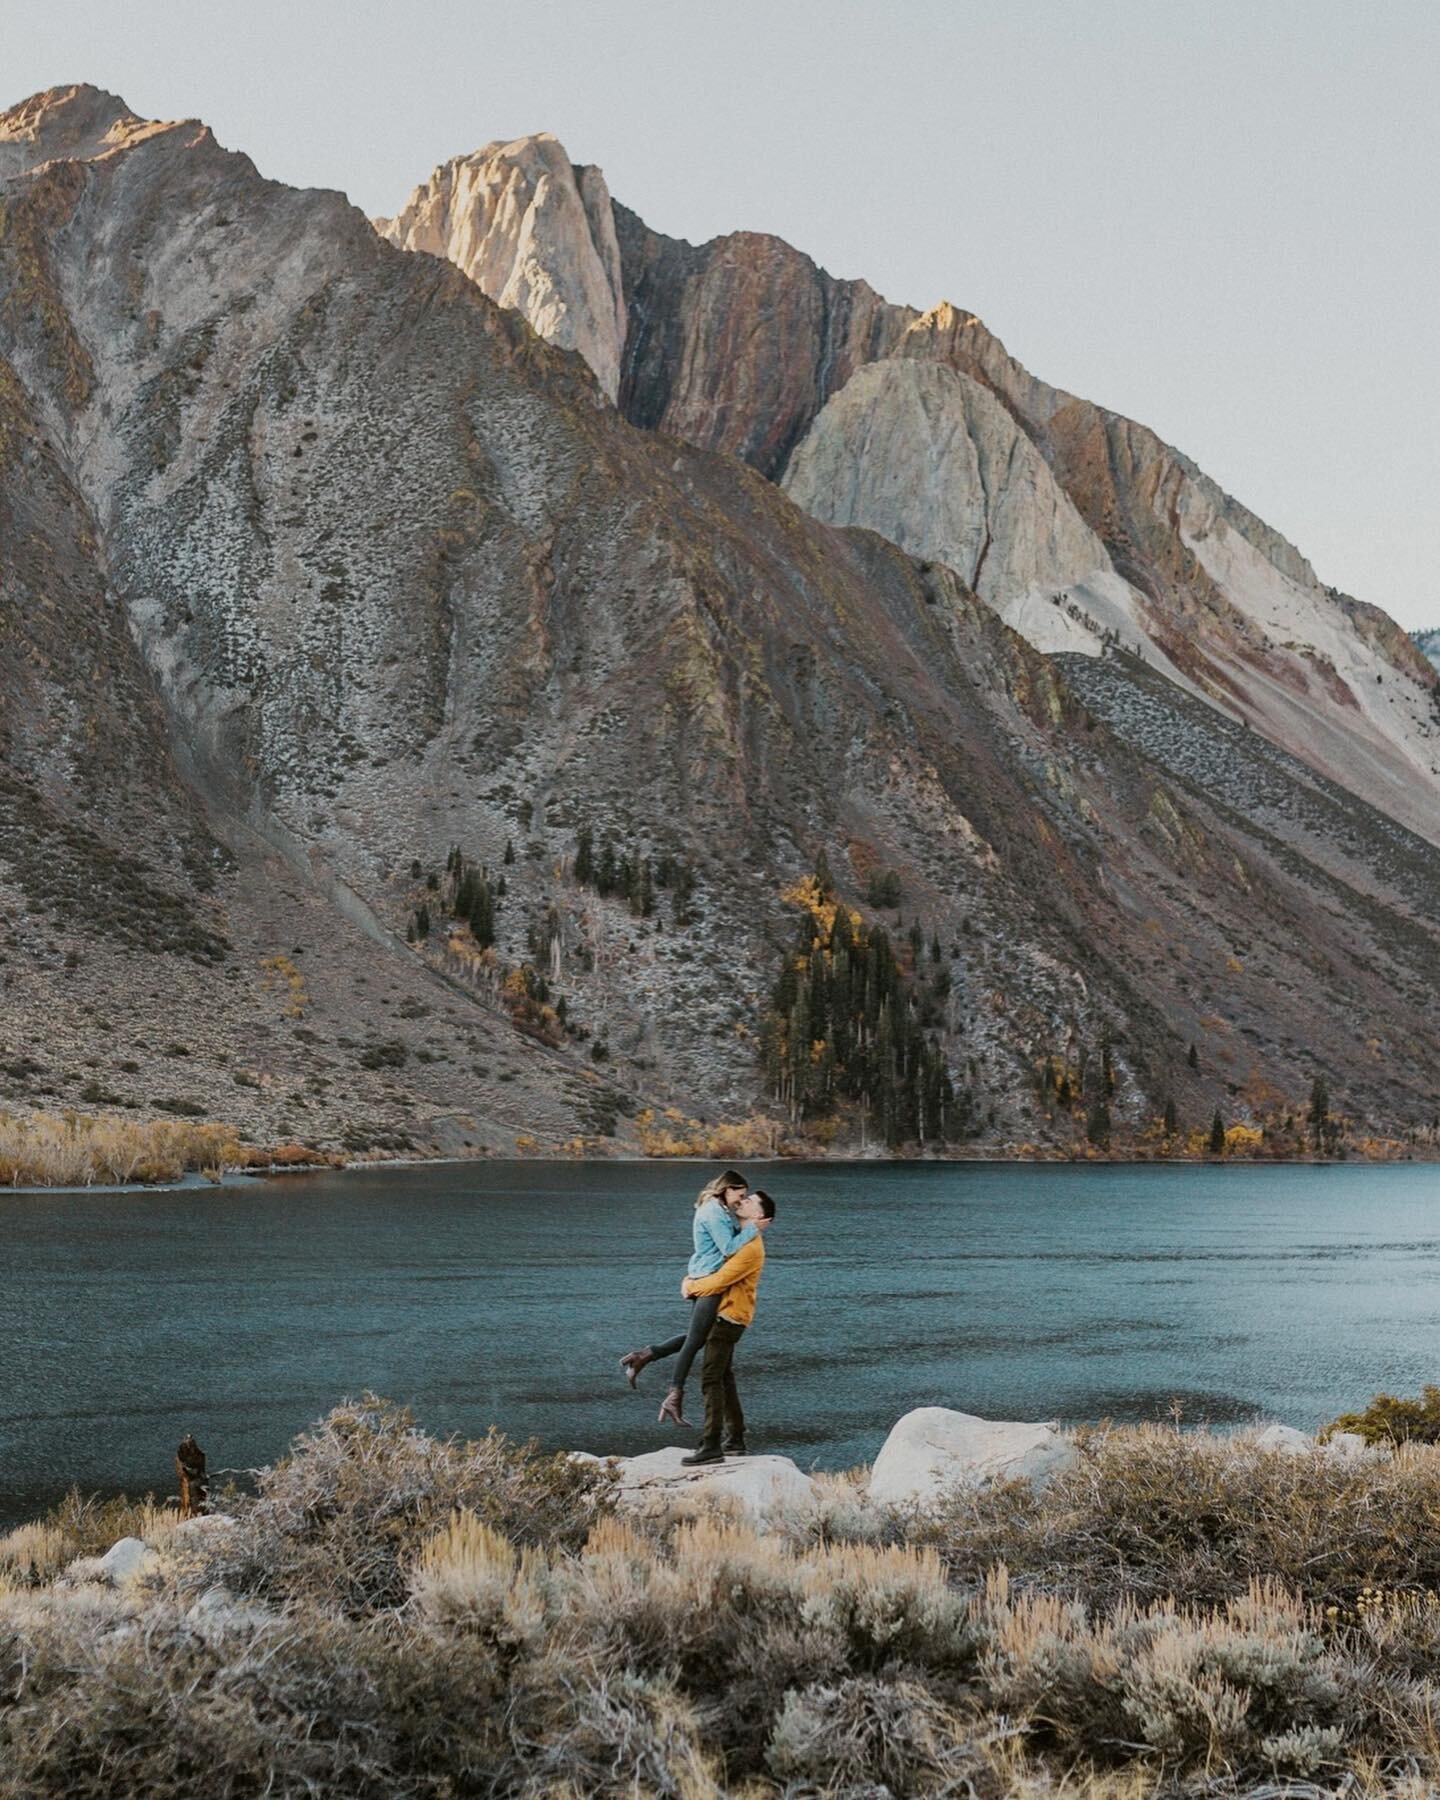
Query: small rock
x=202 y=1527
x=1348 y=1446
x=1285 y=1440
x=934 y=1448
x=121 y=1561
x=761 y=1485
x=217 y=1611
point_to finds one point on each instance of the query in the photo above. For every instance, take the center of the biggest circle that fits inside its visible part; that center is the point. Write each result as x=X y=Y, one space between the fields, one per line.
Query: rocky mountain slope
x=319 y=567
x=1082 y=528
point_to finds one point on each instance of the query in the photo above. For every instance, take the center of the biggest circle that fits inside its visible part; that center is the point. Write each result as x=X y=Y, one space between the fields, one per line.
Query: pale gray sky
x=1219 y=216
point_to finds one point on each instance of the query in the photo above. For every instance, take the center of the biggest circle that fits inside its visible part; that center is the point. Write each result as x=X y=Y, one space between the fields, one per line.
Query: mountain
x=1082 y=528
x=402 y=748
x=534 y=233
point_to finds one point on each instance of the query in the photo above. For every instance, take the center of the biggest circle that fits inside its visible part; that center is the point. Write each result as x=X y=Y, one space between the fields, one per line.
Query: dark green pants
x=723 y=1417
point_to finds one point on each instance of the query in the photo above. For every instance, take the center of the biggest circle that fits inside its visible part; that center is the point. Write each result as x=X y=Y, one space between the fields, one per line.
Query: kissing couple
x=720 y=1283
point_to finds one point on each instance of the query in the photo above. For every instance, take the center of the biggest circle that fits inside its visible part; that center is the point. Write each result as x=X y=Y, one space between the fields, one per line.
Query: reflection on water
x=504 y=1292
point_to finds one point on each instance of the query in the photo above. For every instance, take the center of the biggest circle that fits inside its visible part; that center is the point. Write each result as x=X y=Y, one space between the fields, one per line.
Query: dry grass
x=80 y=1526
x=73 y=1149
x=1149 y=1513
x=441 y=1618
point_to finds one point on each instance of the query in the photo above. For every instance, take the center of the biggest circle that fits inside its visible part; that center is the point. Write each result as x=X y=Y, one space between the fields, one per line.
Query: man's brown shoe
x=634 y=1361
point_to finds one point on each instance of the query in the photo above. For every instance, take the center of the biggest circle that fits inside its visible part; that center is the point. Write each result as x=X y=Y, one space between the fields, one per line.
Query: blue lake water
x=503 y=1293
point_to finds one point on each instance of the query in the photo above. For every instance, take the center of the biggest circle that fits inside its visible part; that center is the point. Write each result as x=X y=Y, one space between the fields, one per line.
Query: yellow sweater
x=736 y=1280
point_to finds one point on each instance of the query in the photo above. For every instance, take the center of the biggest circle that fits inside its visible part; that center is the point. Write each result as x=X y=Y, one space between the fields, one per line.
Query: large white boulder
x=759 y=1485
x=1285 y=1440
x=933 y=1448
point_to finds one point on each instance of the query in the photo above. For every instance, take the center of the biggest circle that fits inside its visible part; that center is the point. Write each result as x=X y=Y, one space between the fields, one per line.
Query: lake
x=504 y=1292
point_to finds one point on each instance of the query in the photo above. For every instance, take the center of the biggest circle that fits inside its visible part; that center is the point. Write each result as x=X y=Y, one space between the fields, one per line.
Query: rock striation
x=745 y=345
x=737 y=344
x=928 y=457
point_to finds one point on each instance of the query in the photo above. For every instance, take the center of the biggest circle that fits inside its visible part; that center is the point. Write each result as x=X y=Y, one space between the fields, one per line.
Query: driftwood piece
x=194 y=1484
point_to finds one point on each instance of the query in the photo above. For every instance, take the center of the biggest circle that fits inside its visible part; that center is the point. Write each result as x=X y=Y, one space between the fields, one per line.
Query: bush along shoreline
x=76 y=1150
x=1148 y=1613
x=73 y=1149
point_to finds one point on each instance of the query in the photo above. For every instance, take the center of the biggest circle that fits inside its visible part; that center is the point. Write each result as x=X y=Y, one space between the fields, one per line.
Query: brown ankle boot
x=634 y=1361
x=671 y=1409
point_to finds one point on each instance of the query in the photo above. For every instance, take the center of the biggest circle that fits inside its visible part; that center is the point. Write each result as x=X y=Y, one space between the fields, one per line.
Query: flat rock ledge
x=757 y=1485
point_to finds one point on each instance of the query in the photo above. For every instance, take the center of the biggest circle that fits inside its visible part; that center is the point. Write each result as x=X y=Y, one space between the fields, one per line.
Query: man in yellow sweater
x=736 y=1282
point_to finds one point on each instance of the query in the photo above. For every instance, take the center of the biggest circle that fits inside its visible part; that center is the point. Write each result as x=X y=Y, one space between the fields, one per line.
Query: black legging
x=690 y=1343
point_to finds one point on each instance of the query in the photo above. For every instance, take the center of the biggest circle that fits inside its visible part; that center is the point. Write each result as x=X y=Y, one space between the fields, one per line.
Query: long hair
x=715 y=1189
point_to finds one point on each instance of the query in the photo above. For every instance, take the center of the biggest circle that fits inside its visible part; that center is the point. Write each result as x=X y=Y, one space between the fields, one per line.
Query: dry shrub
x=674 y=1135
x=893 y=1737
x=475 y=1619
x=74 y=1149
x=33 y=1553
x=890 y=1603
x=1254 y=1684
x=102 y=1702
x=837 y=1510
x=81 y=1525
x=341 y=1519
x=469 y=1578
x=578 y=1729
x=1148 y=1513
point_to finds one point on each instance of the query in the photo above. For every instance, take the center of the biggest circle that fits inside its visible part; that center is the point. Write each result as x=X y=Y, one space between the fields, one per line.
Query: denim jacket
x=718 y=1235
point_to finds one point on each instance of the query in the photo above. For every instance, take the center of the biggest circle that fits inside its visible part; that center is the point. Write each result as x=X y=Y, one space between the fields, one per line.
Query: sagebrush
x=393 y=1614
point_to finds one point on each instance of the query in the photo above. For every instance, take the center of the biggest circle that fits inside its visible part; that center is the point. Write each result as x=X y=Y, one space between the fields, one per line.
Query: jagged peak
x=947 y=316
x=80 y=103
x=77 y=123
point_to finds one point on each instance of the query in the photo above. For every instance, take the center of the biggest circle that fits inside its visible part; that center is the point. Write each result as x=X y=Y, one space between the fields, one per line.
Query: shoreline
x=238 y=1176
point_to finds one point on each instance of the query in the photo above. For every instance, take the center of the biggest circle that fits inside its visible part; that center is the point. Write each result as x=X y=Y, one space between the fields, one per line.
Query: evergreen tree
x=585 y=856
x=422 y=921
x=509 y=856
x=1097 y=1124
x=682 y=896
x=1217 y=1134
x=641 y=888
x=935 y=951
x=1319 y=1111
x=1193 y=1059
x=824 y=880
x=847 y=1026
x=475 y=903
x=1172 y=1118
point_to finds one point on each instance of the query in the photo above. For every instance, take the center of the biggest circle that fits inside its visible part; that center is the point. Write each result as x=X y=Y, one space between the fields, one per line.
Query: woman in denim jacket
x=717 y=1234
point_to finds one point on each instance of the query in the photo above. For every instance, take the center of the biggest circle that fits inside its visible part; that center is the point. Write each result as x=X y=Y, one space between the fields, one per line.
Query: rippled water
x=504 y=1292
